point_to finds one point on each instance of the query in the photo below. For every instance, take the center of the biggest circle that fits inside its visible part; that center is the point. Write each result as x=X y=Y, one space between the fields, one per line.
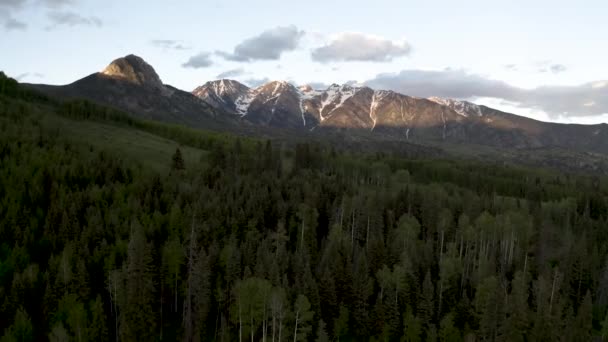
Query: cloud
x=581 y=100
x=7 y=21
x=57 y=18
x=540 y=66
x=318 y=85
x=201 y=60
x=231 y=73
x=169 y=44
x=14 y=24
x=269 y=45
x=57 y=3
x=447 y=83
x=29 y=74
x=557 y=68
x=12 y=3
x=587 y=99
x=71 y=19
x=354 y=46
x=547 y=66
x=255 y=82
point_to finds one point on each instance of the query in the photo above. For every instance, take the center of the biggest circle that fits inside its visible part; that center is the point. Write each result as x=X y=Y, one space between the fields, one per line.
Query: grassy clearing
x=150 y=150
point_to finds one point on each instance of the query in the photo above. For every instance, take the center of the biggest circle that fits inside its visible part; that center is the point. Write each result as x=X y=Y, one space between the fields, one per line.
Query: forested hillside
x=231 y=239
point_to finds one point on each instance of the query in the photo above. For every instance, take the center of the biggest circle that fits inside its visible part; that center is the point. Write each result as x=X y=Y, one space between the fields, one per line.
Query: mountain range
x=131 y=84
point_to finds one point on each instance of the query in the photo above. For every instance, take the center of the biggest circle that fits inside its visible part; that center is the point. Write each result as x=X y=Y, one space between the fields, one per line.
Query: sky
x=542 y=59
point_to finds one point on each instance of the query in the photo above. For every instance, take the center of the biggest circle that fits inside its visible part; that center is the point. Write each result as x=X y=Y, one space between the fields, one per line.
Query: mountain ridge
x=131 y=84
x=396 y=116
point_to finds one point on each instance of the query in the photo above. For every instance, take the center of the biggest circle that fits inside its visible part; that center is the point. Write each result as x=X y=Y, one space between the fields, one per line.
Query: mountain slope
x=391 y=115
x=131 y=84
x=359 y=113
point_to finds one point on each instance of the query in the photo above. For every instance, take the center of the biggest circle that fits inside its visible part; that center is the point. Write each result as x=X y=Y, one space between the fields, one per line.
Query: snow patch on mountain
x=463 y=108
x=336 y=93
x=346 y=93
x=243 y=102
x=377 y=98
x=330 y=96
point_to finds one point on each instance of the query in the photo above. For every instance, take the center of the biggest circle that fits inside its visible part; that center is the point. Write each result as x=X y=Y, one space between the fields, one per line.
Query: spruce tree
x=178 y=160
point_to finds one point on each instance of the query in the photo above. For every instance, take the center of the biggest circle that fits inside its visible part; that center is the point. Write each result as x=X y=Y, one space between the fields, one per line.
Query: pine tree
x=138 y=316
x=341 y=323
x=489 y=306
x=583 y=323
x=21 y=330
x=98 y=330
x=412 y=327
x=172 y=261
x=178 y=160
x=447 y=331
x=426 y=306
x=322 y=335
x=516 y=324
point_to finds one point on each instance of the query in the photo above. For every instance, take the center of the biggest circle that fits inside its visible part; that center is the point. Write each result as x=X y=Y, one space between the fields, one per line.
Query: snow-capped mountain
x=281 y=104
x=132 y=85
x=463 y=108
x=389 y=115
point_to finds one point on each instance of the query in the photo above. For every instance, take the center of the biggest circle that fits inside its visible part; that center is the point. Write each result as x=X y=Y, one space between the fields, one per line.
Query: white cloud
x=354 y=46
x=167 y=44
x=12 y=3
x=58 y=15
x=587 y=99
x=201 y=60
x=71 y=19
x=269 y=45
x=599 y=84
x=255 y=82
x=231 y=73
x=14 y=24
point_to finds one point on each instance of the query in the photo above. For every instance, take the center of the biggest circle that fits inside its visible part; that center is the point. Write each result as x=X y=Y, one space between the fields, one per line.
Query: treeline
x=307 y=244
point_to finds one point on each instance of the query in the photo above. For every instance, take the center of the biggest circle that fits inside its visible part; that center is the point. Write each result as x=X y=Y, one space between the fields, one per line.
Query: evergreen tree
x=447 y=331
x=97 y=330
x=138 y=315
x=583 y=324
x=21 y=330
x=341 y=324
x=178 y=160
x=412 y=327
x=322 y=335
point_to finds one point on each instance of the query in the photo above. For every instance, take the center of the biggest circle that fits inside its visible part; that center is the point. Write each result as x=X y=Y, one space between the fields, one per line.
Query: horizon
x=518 y=58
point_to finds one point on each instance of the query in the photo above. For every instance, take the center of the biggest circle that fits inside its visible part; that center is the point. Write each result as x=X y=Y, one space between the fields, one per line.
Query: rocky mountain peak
x=276 y=86
x=223 y=87
x=134 y=69
x=306 y=88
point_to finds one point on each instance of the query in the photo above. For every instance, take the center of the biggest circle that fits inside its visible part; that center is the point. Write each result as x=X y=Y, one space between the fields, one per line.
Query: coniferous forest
x=267 y=241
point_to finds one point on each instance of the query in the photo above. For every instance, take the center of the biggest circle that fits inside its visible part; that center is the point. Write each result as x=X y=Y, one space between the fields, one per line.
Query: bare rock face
x=134 y=69
x=132 y=85
x=224 y=94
